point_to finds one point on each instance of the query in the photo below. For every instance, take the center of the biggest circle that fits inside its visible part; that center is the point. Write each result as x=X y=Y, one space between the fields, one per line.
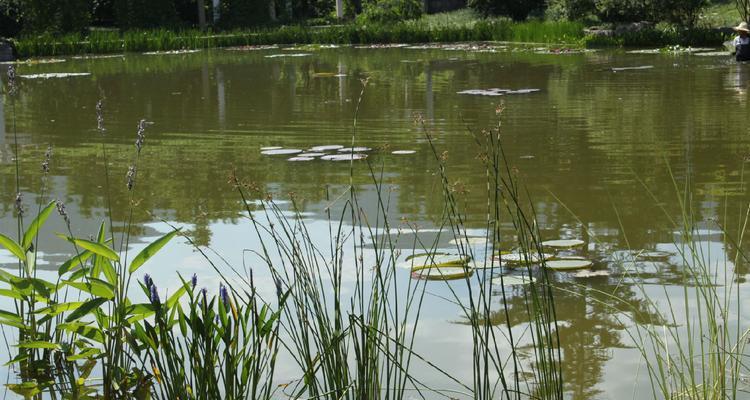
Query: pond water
x=597 y=143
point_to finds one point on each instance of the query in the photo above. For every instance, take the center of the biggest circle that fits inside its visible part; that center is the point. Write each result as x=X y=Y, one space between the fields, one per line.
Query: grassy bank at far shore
x=558 y=32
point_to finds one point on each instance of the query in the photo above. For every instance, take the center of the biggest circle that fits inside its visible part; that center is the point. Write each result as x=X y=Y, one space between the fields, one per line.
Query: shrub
x=517 y=9
x=40 y=16
x=10 y=18
x=145 y=13
x=384 y=11
x=246 y=13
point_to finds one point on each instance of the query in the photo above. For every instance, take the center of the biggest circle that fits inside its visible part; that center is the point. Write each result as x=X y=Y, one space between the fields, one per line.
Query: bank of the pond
x=561 y=32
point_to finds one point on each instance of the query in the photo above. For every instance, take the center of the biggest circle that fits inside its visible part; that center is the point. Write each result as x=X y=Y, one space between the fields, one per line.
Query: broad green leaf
x=74 y=262
x=87 y=354
x=150 y=250
x=33 y=230
x=13 y=247
x=96 y=248
x=11 y=294
x=40 y=287
x=39 y=344
x=56 y=309
x=173 y=299
x=84 y=330
x=94 y=286
x=84 y=309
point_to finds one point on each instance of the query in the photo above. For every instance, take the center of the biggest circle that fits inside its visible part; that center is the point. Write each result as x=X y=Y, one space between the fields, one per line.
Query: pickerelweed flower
x=194 y=281
x=148 y=281
x=224 y=294
x=154 y=295
x=131 y=177
x=47 y=157
x=19 y=204
x=61 y=210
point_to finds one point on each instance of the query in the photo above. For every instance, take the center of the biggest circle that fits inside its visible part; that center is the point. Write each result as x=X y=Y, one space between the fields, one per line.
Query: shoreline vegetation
x=558 y=33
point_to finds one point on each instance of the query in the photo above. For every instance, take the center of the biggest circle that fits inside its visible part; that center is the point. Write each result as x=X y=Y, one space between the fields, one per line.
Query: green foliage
x=10 y=18
x=246 y=13
x=519 y=10
x=384 y=11
x=131 y=14
x=41 y=16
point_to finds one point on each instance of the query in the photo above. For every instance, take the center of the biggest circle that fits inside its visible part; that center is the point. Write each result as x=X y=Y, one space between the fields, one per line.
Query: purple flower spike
x=148 y=281
x=194 y=281
x=154 y=295
x=224 y=294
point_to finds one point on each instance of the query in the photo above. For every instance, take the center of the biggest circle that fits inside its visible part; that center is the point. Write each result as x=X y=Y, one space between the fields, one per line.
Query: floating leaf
x=523 y=258
x=642 y=67
x=344 y=157
x=472 y=240
x=591 y=274
x=288 y=55
x=271 y=148
x=563 y=243
x=443 y=273
x=327 y=147
x=354 y=149
x=280 y=152
x=654 y=255
x=403 y=152
x=311 y=154
x=434 y=260
x=297 y=159
x=568 y=264
x=170 y=52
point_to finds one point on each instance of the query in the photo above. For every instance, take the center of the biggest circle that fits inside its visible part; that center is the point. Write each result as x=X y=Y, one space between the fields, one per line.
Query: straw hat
x=742 y=27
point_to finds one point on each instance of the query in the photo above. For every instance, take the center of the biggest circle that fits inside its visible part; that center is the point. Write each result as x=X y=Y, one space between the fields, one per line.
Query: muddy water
x=599 y=146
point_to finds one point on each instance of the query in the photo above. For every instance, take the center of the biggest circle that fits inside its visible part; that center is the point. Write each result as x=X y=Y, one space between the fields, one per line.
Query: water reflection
x=591 y=147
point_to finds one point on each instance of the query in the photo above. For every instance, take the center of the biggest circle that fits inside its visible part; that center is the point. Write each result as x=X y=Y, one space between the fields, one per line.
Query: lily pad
x=294 y=159
x=34 y=61
x=642 y=67
x=328 y=147
x=271 y=148
x=311 y=154
x=344 y=157
x=654 y=255
x=591 y=274
x=568 y=264
x=417 y=262
x=98 y=56
x=324 y=75
x=446 y=273
x=522 y=258
x=252 y=48
x=713 y=54
x=563 y=243
x=280 y=152
x=513 y=280
x=403 y=152
x=55 y=75
x=496 y=92
x=354 y=149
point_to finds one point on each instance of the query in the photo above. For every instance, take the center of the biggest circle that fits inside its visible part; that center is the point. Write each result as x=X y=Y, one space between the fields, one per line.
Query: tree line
x=62 y=16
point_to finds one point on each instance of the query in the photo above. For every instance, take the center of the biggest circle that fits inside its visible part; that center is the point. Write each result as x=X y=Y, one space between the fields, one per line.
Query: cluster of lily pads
x=560 y=255
x=331 y=152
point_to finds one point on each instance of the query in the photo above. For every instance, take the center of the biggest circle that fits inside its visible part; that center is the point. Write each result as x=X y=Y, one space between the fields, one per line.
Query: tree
x=743 y=7
x=682 y=12
x=516 y=9
x=55 y=16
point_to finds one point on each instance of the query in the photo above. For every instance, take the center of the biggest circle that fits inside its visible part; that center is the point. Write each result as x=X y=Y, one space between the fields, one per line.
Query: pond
x=598 y=139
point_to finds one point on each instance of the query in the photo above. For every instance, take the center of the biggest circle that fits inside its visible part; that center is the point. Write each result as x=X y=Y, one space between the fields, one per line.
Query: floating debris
x=344 y=157
x=354 y=149
x=403 y=152
x=34 y=61
x=326 y=148
x=591 y=274
x=170 y=52
x=311 y=154
x=299 y=158
x=252 y=48
x=382 y=46
x=288 y=55
x=496 y=92
x=568 y=264
x=513 y=280
x=98 y=56
x=642 y=67
x=563 y=243
x=54 y=75
x=280 y=152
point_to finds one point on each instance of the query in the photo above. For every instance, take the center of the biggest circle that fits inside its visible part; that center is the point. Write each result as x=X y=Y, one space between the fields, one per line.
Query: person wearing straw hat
x=742 y=42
